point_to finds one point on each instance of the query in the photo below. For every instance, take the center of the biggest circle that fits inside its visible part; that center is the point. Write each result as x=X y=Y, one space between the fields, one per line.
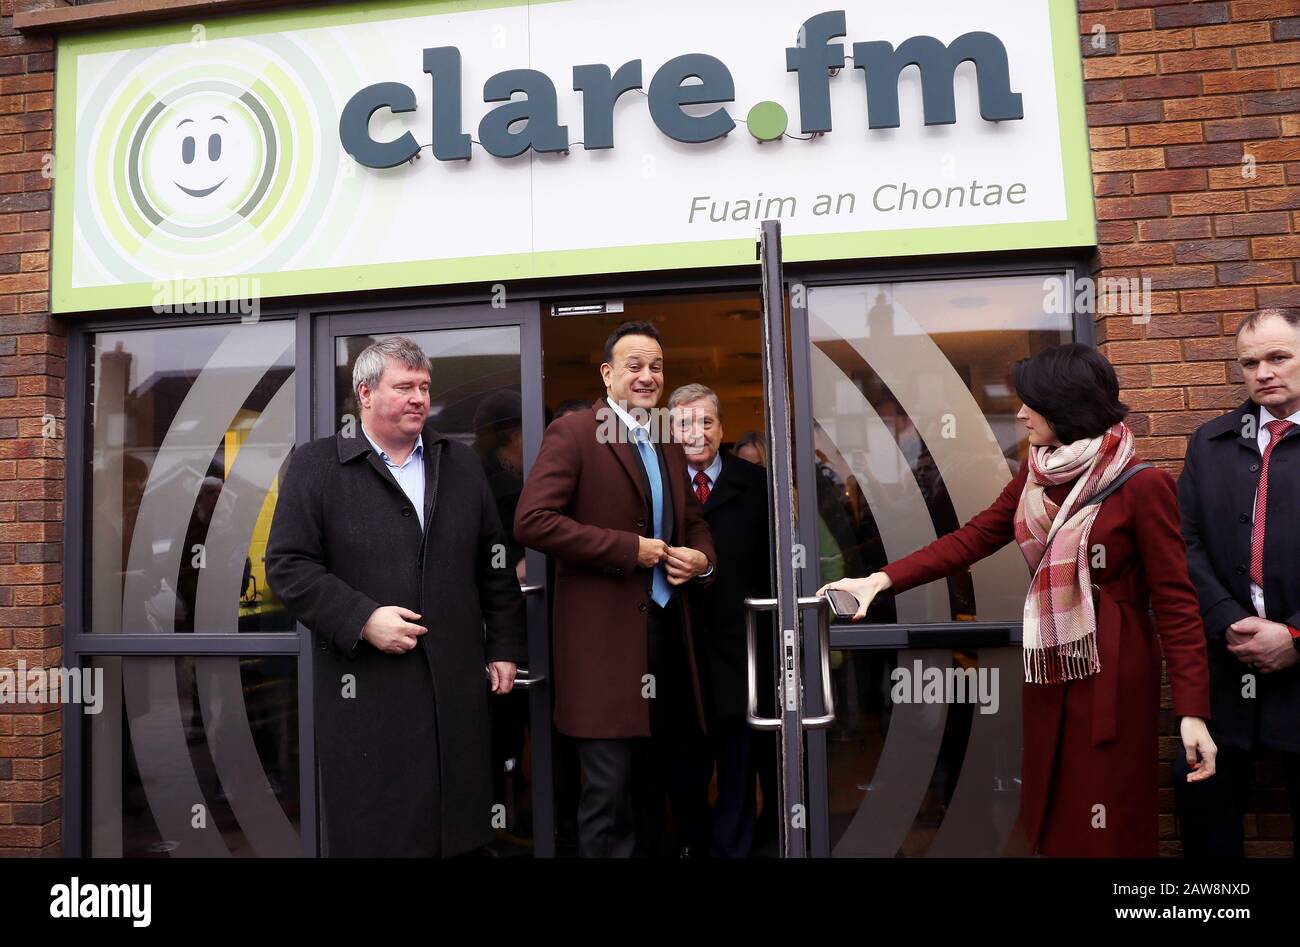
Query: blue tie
x=660 y=590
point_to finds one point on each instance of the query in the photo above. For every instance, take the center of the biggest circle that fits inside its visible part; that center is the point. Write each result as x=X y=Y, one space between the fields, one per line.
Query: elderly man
x=733 y=493
x=386 y=544
x=614 y=510
x=1239 y=494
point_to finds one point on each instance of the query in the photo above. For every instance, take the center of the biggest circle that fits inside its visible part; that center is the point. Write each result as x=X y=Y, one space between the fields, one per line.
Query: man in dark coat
x=387 y=545
x=734 y=495
x=1239 y=495
x=607 y=498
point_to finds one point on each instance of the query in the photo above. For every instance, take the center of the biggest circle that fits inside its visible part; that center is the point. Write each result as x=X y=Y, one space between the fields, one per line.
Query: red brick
x=1196 y=60
x=1166 y=133
x=1254 y=80
x=1209 y=300
x=1116 y=208
x=1259 y=272
x=1278 y=198
x=1287 y=247
x=1248 y=224
x=1238 y=129
x=1257 y=175
x=1181 y=179
x=1128 y=159
x=1174 y=228
x=1210 y=106
x=1208 y=202
x=1209 y=251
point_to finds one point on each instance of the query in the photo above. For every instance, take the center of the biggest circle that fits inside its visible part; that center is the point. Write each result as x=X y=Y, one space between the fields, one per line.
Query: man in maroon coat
x=607 y=498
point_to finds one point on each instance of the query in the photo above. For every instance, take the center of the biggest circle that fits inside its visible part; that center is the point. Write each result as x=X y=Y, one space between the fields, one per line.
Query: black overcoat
x=737 y=513
x=1216 y=497
x=402 y=740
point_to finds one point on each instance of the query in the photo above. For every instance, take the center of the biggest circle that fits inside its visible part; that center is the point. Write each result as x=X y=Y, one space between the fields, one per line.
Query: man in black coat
x=1239 y=495
x=387 y=545
x=734 y=495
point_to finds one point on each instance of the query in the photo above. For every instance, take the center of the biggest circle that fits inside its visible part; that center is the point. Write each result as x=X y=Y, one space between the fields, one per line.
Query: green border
x=1078 y=229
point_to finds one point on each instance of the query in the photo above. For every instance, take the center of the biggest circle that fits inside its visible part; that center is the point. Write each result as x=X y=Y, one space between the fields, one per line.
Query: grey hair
x=694 y=392
x=369 y=367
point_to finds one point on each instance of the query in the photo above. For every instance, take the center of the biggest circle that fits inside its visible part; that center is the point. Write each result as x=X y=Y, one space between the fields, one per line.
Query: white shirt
x=710 y=471
x=1262 y=437
x=409 y=474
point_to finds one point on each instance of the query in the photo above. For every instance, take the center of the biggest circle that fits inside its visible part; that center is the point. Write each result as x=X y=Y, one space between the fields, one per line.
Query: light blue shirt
x=409 y=475
x=710 y=471
x=632 y=424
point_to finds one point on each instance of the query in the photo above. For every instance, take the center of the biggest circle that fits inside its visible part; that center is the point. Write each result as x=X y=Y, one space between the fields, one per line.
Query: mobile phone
x=843 y=604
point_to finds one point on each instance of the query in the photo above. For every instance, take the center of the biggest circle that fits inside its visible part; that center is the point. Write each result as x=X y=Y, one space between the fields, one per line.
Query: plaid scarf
x=1060 y=626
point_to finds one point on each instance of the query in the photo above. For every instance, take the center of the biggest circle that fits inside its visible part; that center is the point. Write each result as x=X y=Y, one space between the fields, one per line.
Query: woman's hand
x=1197 y=742
x=864 y=590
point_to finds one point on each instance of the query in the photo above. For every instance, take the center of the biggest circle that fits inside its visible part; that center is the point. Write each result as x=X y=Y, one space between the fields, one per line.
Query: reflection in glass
x=923 y=778
x=193 y=756
x=915 y=430
x=188 y=430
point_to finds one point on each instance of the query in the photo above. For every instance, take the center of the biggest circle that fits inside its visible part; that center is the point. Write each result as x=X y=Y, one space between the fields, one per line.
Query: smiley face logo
x=189 y=151
x=212 y=161
x=206 y=159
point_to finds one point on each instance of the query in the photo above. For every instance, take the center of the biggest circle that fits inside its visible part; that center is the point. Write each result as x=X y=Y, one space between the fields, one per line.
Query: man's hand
x=650 y=552
x=1262 y=644
x=684 y=564
x=502 y=676
x=389 y=628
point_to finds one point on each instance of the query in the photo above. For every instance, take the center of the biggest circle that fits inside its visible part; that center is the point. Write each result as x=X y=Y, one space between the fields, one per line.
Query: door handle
x=523 y=682
x=752 y=607
x=822 y=605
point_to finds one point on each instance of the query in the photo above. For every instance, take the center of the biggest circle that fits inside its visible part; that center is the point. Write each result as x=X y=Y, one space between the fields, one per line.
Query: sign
x=428 y=143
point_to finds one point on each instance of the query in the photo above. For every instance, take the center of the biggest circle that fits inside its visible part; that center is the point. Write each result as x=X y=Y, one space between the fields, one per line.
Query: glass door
x=905 y=424
x=485 y=393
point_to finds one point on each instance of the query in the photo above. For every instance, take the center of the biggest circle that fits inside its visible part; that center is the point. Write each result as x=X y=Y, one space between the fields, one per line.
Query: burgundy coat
x=1093 y=741
x=585 y=504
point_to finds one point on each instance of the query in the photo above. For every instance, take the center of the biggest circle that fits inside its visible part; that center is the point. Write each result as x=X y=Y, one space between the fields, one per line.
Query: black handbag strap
x=1115 y=484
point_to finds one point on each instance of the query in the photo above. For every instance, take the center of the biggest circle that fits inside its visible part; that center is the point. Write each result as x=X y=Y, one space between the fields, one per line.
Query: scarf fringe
x=1068 y=661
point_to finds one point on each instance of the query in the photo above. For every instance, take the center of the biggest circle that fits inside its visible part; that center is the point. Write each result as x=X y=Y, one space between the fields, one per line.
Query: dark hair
x=1073 y=387
x=629 y=328
x=568 y=406
x=1252 y=322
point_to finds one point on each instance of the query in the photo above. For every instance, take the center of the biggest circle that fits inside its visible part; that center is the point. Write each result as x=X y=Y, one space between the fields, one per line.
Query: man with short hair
x=386 y=544
x=1239 y=495
x=608 y=500
x=733 y=493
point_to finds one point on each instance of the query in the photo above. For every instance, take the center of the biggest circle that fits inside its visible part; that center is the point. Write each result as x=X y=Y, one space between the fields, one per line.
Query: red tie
x=702 y=487
x=1278 y=429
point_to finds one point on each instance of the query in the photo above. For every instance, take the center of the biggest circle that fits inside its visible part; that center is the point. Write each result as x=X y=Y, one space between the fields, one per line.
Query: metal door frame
x=368 y=319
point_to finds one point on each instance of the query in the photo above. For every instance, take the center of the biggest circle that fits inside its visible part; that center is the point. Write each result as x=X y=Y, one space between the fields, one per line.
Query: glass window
x=188 y=429
x=914 y=427
x=192 y=756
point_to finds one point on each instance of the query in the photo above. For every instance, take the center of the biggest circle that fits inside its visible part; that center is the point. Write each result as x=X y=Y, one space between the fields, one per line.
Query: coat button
x=1243 y=517
x=1254 y=467
x=1241 y=570
x=406 y=511
x=641 y=607
x=640 y=524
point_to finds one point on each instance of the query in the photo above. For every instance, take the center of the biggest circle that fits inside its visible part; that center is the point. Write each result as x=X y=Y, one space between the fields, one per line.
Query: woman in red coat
x=1092 y=664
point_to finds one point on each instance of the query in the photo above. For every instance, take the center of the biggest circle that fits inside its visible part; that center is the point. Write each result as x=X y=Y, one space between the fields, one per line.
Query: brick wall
x=1194 y=120
x=31 y=464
